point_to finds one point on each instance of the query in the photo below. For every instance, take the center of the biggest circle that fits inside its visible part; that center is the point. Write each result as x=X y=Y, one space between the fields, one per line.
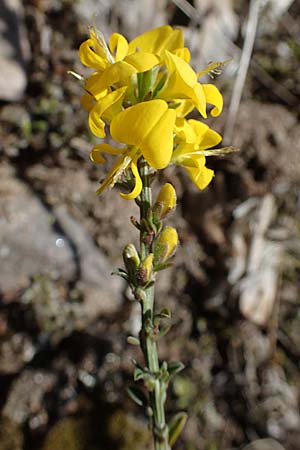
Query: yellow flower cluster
x=143 y=90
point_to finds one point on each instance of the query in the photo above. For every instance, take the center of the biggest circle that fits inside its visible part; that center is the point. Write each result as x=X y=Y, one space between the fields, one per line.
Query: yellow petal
x=112 y=175
x=165 y=201
x=182 y=83
x=106 y=107
x=96 y=153
x=112 y=103
x=184 y=70
x=186 y=155
x=158 y=146
x=185 y=107
x=96 y=124
x=183 y=53
x=99 y=44
x=149 y=126
x=142 y=61
x=138 y=183
x=119 y=45
x=185 y=131
x=175 y=41
x=165 y=245
x=87 y=101
x=152 y=41
x=200 y=177
x=157 y=40
x=213 y=97
x=89 y=58
x=117 y=74
x=206 y=137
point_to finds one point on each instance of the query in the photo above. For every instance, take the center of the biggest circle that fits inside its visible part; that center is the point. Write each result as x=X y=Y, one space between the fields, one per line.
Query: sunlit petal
x=206 y=137
x=213 y=97
x=185 y=107
x=96 y=153
x=185 y=131
x=185 y=155
x=112 y=175
x=138 y=183
x=142 y=61
x=182 y=83
x=201 y=177
x=106 y=108
x=117 y=74
x=149 y=126
x=152 y=41
x=183 y=53
x=89 y=58
x=118 y=45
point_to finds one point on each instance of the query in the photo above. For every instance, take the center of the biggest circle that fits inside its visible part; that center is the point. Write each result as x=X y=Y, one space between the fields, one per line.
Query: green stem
x=158 y=394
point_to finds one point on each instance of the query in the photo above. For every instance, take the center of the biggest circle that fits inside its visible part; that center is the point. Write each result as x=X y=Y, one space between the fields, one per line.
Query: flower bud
x=131 y=259
x=165 y=245
x=166 y=201
x=144 y=273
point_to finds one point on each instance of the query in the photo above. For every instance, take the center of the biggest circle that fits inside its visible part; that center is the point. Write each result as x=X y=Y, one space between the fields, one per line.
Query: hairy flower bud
x=165 y=245
x=131 y=259
x=166 y=201
x=144 y=272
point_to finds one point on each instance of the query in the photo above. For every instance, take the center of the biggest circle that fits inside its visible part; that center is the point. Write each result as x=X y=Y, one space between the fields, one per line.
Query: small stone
x=13 y=78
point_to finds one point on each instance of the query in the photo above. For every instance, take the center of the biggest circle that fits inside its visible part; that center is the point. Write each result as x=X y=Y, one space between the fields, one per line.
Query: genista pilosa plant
x=141 y=92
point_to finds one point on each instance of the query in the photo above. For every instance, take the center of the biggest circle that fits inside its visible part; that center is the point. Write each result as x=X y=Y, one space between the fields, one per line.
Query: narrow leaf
x=175 y=367
x=175 y=426
x=137 y=395
x=164 y=314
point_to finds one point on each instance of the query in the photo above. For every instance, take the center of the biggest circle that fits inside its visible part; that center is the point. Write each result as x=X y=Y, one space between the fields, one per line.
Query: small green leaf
x=137 y=395
x=139 y=374
x=146 y=82
x=120 y=273
x=175 y=367
x=165 y=313
x=159 y=85
x=175 y=426
x=163 y=330
x=133 y=340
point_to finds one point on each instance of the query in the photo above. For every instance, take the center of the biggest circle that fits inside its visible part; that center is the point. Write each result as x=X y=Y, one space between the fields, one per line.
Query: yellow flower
x=148 y=126
x=114 y=67
x=165 y=245
x=147 y=130
x=182 y=83
x=144 y=89
x=166 y=201
x=144 y=272
x=193 y=139
x=94 y=52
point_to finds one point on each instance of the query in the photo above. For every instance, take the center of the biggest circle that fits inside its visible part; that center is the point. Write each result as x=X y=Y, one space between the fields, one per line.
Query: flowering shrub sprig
x=141 y=92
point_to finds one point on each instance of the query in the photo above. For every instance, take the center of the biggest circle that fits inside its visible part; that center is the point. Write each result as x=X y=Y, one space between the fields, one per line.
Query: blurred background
x=234 y=286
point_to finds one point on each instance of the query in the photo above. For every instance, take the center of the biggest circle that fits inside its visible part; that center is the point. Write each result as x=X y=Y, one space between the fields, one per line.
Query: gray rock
x=102 y=292
x=12 y=75
x=28 y=243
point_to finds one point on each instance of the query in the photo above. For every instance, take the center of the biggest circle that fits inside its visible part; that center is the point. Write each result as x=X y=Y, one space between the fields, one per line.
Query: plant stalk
x=157 y=395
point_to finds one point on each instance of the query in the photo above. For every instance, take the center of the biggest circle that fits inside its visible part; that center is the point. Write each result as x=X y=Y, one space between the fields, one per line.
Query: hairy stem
x=157 y=395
